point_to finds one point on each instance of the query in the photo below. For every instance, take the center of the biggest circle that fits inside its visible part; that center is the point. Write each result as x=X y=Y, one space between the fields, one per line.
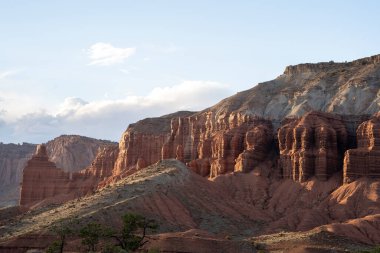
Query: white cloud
x=7 y=73
x=107 y=119
x=16 y=104
x=105 y=54
x=70 y=105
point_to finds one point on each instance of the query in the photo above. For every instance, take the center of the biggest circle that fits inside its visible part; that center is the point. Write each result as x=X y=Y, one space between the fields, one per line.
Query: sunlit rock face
x=312 y=146
x=104 y=162
x=209 y=146
x=365 y=159
x=74 y=152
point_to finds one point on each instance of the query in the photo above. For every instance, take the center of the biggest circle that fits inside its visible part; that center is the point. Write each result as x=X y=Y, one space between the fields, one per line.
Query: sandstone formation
x=74 y=152
x=69 y=152
x=42 y=180
x=365 y=159
x=209 y=146
x=141 y=143
x=103 y=164
x=312 y=145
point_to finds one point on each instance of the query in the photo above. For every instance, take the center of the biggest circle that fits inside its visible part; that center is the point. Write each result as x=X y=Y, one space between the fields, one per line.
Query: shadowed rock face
x=312 y=145
x=69 y=152
x=42 y=180
x=13 y=158
x=364 y=160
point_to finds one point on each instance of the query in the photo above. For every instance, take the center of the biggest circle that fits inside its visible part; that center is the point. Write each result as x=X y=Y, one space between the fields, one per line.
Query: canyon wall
x=365 y=159
x=43 y=180
x=207 y=145
x=69 y=152
x=312 y=145
x=104 y=162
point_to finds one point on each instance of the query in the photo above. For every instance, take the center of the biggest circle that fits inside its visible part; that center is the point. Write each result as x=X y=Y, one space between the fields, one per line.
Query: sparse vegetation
x=134 y=232
x=131 y=237
x=91 y=234
x=374 y=250
x=62 y=230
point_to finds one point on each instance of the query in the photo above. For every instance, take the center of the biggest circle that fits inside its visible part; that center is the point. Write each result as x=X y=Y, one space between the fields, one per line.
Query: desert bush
x=91 y=234
x=62 y=229
x=134 y=232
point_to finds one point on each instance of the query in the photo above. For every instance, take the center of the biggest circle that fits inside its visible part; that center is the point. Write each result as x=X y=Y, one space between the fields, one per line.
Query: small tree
x=134 y=232
x=62 y=229
x=91 y=234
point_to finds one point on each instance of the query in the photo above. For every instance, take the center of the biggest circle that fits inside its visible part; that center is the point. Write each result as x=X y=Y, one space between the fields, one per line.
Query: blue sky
x=93 y=67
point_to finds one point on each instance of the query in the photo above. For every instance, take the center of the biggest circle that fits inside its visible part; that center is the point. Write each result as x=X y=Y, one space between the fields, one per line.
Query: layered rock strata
x=69 y=152
x=350 y=88
x=209 y=146
x=103 y=164
x=312 y=146
x=365 y=159
x=42 y=180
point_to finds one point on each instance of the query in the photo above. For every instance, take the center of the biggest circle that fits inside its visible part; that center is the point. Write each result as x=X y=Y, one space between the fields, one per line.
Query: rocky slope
x=69 y=152
x=191 y=211
x=341 y=88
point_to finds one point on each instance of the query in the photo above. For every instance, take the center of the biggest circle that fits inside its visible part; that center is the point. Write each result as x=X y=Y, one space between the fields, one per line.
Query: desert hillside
x=238 y=206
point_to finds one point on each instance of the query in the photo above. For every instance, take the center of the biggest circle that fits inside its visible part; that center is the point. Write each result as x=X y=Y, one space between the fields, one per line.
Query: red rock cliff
x=364 y=160
x=312 y=145
x=103 y=164
x=209 y=145
x=42 y=180
x=69 y=152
